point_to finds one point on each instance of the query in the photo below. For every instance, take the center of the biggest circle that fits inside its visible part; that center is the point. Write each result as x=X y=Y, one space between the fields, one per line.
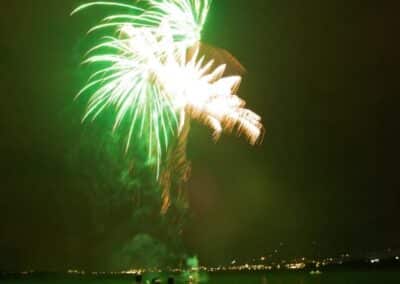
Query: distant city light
x=375 y=260
x=296 y=266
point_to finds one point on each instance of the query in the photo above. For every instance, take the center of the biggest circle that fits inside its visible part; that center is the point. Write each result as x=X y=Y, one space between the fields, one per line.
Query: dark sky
x=324 y=75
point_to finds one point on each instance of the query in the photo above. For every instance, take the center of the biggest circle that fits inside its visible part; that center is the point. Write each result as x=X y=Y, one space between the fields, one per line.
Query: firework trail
x=156 y=80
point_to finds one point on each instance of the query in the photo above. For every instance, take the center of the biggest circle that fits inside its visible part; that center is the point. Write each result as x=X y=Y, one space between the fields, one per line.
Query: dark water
x=373 y=277
x=305 y=278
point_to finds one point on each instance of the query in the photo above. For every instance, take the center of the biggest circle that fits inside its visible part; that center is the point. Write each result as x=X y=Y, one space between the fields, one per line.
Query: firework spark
x=156 y=79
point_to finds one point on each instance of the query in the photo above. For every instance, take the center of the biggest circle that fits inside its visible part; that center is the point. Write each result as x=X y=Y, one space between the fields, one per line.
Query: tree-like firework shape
x=154 y=77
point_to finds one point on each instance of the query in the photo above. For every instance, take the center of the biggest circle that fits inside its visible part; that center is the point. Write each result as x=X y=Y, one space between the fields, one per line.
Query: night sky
x=324 y=75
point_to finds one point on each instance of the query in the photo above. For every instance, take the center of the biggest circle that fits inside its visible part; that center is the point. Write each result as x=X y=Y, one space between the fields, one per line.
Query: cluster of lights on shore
x=291 y=265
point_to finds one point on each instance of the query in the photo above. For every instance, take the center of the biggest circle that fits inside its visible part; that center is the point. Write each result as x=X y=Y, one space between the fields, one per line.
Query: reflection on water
x=368 y=277
x=350 y=277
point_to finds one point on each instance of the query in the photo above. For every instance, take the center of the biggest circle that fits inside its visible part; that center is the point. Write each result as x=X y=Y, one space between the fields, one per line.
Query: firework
x=156 y=79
